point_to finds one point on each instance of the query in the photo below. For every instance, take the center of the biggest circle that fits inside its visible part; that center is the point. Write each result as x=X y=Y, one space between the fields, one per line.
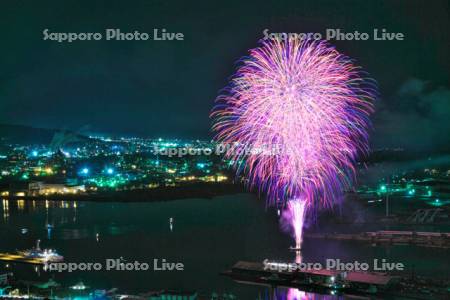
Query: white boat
x=295 y=248
x=47 y=255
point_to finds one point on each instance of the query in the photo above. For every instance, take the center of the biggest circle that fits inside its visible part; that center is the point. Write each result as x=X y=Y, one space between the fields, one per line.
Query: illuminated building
x=41 y=188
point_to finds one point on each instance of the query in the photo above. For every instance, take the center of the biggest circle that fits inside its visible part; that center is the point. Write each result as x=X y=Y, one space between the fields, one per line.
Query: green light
x=437 y=202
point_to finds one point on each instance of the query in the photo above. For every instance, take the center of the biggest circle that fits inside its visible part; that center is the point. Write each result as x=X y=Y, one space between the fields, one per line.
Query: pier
x=349 y=284
x=21 y=259
x=423 y=239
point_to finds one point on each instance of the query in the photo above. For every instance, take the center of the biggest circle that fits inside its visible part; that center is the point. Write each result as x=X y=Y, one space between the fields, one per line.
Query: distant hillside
x=29 y=135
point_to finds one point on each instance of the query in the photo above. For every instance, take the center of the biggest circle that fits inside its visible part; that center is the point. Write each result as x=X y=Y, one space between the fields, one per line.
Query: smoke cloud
x=416 y=117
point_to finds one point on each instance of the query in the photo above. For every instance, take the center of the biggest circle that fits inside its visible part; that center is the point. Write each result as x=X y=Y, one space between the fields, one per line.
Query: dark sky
x=155 y=88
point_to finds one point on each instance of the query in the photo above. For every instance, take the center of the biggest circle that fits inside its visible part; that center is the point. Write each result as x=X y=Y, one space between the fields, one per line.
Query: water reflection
x=61 y=219
x=74 y=212
x=21 y=204
x=5 y=208
x=280 y=293
x=56 y=212
x=296 y=294
x=49 y=231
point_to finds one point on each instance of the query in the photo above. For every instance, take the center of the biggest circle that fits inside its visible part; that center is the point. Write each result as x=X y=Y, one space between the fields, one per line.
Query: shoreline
x=201 y=190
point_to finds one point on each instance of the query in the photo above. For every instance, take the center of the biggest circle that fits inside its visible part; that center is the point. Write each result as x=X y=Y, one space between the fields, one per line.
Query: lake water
x=208 y=236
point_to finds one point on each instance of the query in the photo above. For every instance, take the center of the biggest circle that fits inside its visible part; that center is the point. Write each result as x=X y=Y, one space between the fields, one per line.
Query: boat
x=47 y=255
x=295 y=248
x=79 y=286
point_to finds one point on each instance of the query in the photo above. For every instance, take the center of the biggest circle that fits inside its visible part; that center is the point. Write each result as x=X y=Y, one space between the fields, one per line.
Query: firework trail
x=296 y=113
x=297 y=209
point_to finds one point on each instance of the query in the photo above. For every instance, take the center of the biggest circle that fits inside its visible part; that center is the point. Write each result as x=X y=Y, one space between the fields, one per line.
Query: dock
x=348 y=284
x=8 y=257
x=322 y=279
x=422 y=239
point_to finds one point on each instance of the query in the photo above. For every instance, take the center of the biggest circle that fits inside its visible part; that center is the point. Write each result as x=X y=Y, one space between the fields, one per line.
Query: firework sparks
x=310 y=103
x=297 y=212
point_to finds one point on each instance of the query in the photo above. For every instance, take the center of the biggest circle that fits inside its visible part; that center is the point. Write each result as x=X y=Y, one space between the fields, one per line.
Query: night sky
x=167 y=88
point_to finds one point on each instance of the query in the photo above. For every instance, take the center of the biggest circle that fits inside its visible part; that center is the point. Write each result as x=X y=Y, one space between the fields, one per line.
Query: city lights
x=60 y=174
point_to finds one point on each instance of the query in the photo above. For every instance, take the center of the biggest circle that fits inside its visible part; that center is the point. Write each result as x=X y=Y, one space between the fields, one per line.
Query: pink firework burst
x=302 y=109
x=296 y=114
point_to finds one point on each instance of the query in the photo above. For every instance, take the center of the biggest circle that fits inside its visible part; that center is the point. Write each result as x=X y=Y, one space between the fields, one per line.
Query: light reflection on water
x=295 y=294
x=5 y=208
x=208 y=236
x=60 y=218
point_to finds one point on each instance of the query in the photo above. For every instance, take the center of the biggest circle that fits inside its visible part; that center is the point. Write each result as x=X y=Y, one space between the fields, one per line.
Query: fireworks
x=296 y=210
x=302 y=108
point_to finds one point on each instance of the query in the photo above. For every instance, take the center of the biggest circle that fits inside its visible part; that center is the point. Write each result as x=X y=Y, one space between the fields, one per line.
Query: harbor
x=96 y=231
